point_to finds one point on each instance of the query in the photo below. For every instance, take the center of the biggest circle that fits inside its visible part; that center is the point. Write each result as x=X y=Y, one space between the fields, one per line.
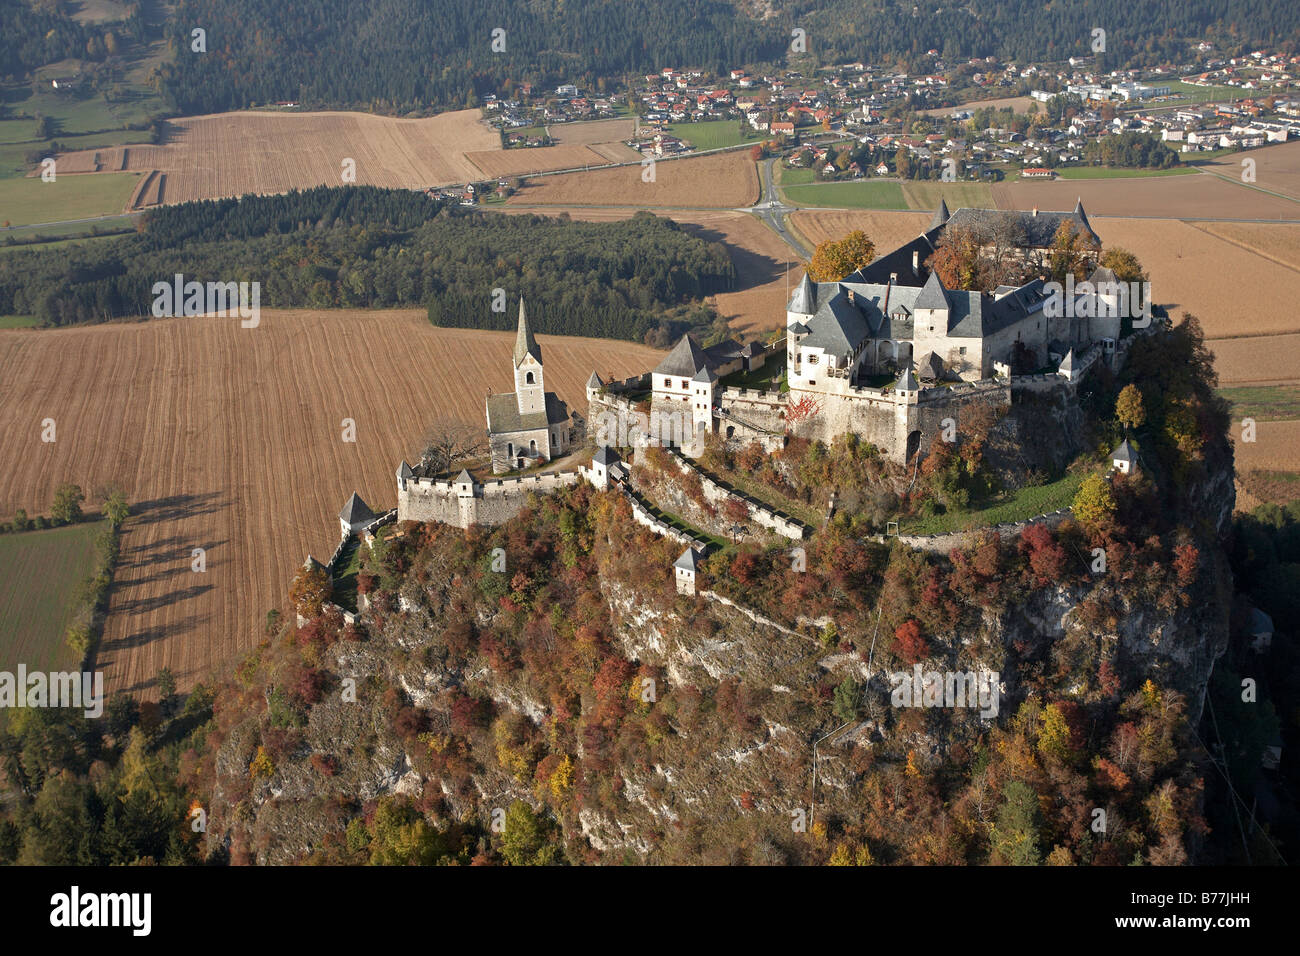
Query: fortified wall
x=464 y=501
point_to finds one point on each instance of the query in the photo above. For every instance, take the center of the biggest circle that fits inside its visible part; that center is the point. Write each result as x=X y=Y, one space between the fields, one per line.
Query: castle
x=888 y=353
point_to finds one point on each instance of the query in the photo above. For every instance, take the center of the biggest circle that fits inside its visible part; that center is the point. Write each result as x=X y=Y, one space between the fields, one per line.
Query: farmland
x=1203 y=196
x=229 y=154
x=713 y=134
x=720 y=180
x=926 y=195
x=41 y=573
x=1277 y=168
x=888 y=230
x=867 y=194
x=30 y=200
x=229 y=439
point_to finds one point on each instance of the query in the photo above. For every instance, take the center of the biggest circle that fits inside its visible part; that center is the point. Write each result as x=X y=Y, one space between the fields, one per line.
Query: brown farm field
x=1019 y=104
x=888 y=230
x=719 y=180
x=1276 y=447
x=1232 y=290
x=229 y=154
x=1277 y=167
x=230 y=440
x=1203 y=196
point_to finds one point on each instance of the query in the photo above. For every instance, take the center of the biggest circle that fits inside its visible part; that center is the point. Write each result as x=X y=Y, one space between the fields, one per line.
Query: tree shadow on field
x=175 y=508
x=753 y=269
x=146 y=635
x=156 y=602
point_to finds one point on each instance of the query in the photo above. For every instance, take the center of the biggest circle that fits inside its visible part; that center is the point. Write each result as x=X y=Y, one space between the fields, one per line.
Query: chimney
x=1035 y=211
x=916 y=262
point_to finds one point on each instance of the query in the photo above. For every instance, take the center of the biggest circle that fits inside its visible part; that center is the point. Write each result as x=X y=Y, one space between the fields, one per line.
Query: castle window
x=529 y=378
x=962 y=350
x=668 y=383
x=686 y=384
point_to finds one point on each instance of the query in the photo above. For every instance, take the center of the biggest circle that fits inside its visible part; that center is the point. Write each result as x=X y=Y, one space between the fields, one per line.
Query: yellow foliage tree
x=1094 y=503
x=261 y=765
x=562 y=779
x=836 y=258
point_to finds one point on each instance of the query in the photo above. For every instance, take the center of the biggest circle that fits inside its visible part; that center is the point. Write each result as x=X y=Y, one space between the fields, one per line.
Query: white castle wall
x=464 y=504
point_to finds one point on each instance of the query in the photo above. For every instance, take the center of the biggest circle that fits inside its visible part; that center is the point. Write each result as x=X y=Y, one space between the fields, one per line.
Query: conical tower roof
x=805 y=297
x=941 y=215
x=525 y=344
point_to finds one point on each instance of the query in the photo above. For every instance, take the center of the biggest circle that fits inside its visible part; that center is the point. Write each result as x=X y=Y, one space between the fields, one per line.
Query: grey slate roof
x=1067 y=363
x=525 y=344
x=503 y=414
x=605 y=456
x=930 y=368
x=1038 y=229
x=688 y=560
x=594 y=381
x=404 y=471
x=941 y=215
x=705 y=375
x=1124 y=452
x=685 y=359
x=907 y=381
x=356 y=510
x=464 y=476
x=804 y=300
x=933 y=294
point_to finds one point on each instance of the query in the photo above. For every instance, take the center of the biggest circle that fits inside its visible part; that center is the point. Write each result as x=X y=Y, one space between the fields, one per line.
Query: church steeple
x=530 y=390
x=525 y=344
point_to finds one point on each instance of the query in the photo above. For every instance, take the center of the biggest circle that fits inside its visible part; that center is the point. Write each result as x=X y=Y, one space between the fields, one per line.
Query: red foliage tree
x=911 y=646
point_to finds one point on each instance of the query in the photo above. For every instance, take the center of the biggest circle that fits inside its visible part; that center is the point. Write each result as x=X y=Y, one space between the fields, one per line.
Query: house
x=529 y=425
x=1124 y=459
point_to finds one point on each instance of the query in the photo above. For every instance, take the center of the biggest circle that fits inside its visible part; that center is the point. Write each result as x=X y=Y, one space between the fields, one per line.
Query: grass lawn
x=793 y=175
x=30 y=200
x=865 y=194
x=1266 y=403
x=17 y=321
x=926 y=195
x=767 y=378
x=345 y=575
x=1199 y=94
x=76 y=232
x=712 y=134
x=1017 y=506
x=41 y=573
x=1109 y=172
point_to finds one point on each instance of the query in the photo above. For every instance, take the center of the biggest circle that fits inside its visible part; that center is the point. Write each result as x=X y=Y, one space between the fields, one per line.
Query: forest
x=365 y=247
x=405 y=55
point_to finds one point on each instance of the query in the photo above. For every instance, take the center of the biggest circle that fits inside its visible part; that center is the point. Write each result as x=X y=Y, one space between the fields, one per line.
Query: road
x=772 y=211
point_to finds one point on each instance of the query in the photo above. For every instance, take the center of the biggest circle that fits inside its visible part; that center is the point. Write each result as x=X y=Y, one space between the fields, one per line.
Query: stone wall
x=716 y=494
x=943 y=543
x=463 y=504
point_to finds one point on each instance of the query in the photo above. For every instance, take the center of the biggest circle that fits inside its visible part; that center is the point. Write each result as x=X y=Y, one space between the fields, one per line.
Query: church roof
x=1124 y=452
x=356 y=510
x=688 y=561
x=685 y=359
x=503 y=414
x=941 y=215
x=525 y=344
x=805 y=297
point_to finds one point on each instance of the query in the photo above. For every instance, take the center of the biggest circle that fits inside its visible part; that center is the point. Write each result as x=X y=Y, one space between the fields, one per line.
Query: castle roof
x=503 y=415
x=356 y=511
x=805 y=297
x=705 y=374
x=933 y=295
x=525 y=344
x=907 y=381
x=685 y=359
x=594 y=381
x=930 y=368
x=1102 y=274
x=464 y=477
x=689 y=560
x=605 y=456
x=1067 y=363
x=1035 y=230
x=941 y=215
x=404 y=471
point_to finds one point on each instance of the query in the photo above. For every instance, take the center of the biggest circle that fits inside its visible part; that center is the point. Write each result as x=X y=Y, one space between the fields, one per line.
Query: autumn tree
x=526 y=836
x=1129 y=407
x=310 y=589
x=911 y=646
x=1094 y=503
x=1070 y=253
x=1124 y=264
x=1016 y=834
x=956 y=258
x=834 y=259
x=448 y=442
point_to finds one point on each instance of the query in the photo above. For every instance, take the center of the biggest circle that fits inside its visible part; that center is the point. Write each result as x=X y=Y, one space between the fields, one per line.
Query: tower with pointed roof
x=530 y=390
x=530 y=425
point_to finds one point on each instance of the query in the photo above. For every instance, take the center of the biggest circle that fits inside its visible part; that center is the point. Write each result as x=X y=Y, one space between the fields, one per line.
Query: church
x=529 y=426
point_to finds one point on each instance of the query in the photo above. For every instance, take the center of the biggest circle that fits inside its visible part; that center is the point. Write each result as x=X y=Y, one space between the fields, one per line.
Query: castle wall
x=492 y=503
